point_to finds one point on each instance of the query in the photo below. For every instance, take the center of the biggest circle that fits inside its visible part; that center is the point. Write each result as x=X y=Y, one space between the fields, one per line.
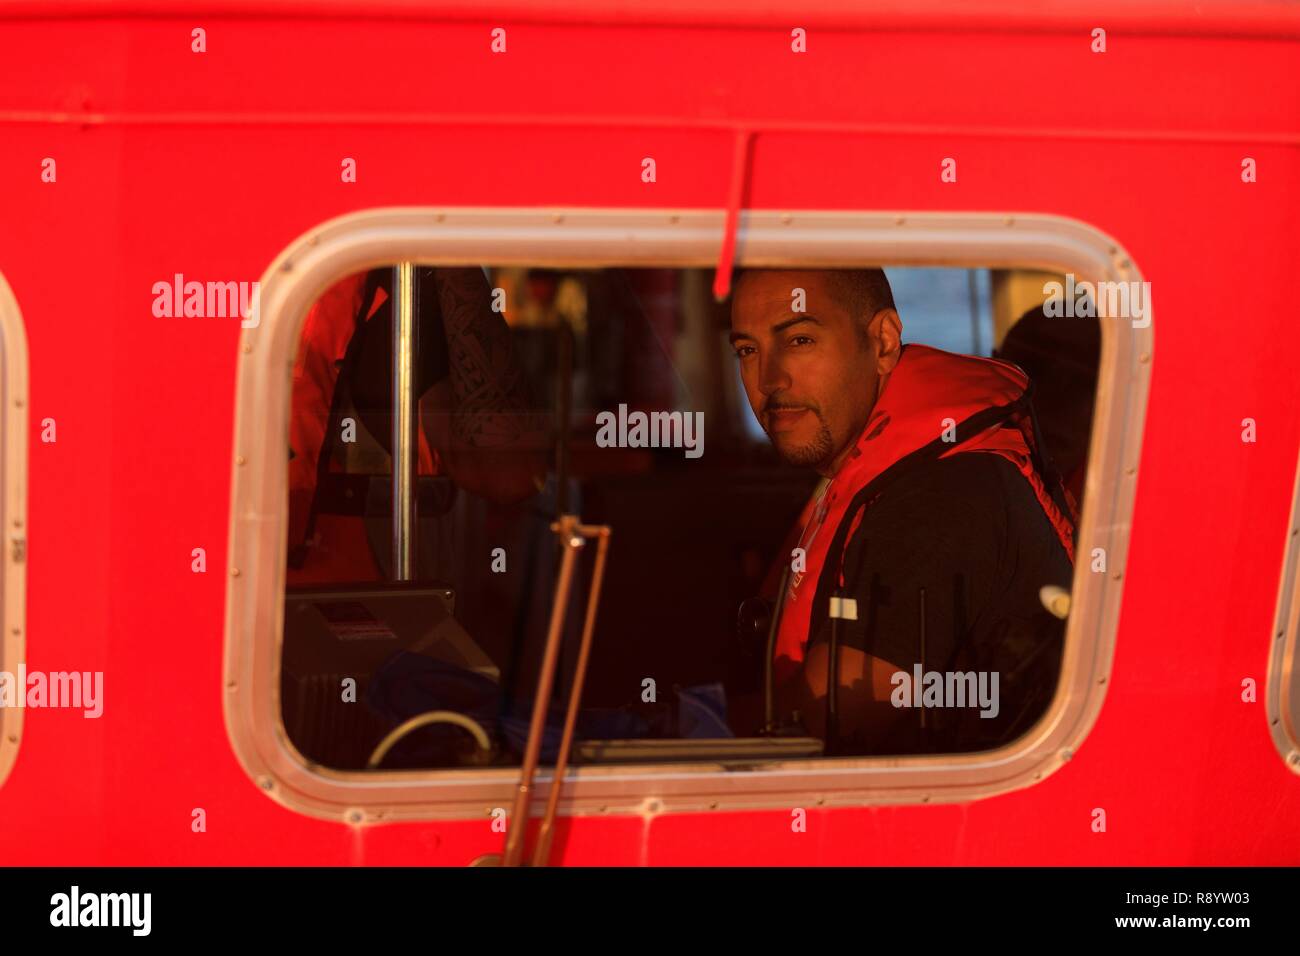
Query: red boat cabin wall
x=211 y=164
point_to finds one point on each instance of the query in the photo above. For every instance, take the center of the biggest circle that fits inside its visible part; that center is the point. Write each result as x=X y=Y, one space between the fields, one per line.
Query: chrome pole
x=406 y=437
x=972 y=289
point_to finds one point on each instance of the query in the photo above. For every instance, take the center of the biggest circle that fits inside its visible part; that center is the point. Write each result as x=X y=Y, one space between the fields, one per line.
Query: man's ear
x=886 y=330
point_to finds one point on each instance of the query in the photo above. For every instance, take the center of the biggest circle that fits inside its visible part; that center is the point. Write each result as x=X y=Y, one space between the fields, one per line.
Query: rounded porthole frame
x=592 y=238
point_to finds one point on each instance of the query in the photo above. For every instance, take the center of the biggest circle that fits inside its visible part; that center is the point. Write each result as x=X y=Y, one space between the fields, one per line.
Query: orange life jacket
x=982 y=405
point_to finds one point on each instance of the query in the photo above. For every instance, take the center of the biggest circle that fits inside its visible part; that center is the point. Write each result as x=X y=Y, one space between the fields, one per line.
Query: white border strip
x=1282 y=699
x=13 y=513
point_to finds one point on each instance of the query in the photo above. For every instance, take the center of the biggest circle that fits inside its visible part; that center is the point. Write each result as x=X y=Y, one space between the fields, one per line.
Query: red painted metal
x=210 y=164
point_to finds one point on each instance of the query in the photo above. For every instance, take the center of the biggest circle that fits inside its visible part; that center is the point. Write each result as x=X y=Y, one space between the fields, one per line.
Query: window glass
x=754 y=524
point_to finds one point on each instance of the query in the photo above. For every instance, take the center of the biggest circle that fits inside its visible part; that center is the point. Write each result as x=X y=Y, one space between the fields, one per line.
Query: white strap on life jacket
x=846 y=609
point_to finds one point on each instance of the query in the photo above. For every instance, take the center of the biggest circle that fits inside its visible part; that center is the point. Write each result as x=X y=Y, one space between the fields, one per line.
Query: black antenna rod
x=922 y=697
x=833 y=679
x=769 y=678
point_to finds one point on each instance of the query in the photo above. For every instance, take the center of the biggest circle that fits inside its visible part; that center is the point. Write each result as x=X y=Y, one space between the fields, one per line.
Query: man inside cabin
x=923 y=551
x=475 y=426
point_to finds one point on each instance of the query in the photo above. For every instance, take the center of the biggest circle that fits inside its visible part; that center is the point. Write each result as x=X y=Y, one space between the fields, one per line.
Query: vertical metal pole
x=769 y=660
x=563 y=412
x=406 y=438
x=923 y=655
x=972 y=289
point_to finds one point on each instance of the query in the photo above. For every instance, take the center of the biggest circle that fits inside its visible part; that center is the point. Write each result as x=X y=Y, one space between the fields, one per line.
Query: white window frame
x=593 y=238
x=1282 y=700
x=13 y=514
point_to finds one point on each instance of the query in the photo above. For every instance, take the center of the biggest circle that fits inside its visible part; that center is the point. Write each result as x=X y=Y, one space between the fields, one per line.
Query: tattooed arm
x=481 y=419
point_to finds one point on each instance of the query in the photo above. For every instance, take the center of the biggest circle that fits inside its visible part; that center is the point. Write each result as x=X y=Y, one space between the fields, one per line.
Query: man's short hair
x=867 y=290
x=864 y=291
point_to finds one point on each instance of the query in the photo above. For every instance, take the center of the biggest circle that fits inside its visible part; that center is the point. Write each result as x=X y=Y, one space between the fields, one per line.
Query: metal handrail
x=406 y=437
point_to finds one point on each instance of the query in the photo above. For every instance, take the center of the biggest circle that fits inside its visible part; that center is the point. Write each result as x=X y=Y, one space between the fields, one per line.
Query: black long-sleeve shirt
x=969 y=533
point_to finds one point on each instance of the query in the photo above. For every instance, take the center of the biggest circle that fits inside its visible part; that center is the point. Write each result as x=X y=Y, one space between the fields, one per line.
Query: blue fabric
x=702 y=712
x=408 y=684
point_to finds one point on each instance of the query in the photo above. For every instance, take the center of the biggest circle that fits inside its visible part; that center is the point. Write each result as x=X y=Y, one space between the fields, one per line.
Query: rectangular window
x=778 y=594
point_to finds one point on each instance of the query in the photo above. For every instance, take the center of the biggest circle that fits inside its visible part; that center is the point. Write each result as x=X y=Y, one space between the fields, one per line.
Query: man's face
x=812 y=377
